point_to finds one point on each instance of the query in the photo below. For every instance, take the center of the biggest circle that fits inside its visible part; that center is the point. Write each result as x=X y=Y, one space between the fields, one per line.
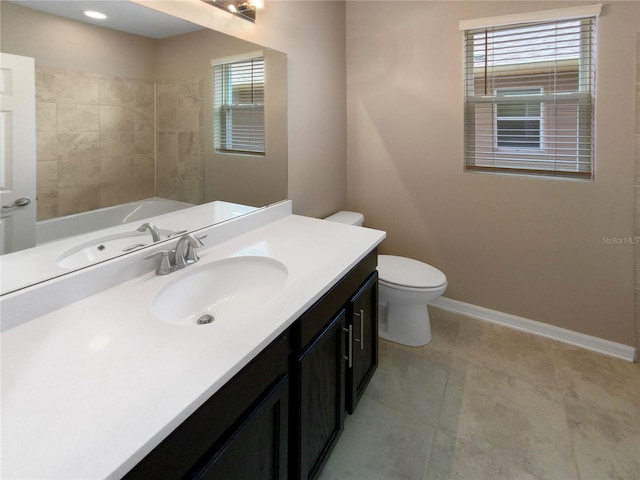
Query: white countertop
x=88 y=390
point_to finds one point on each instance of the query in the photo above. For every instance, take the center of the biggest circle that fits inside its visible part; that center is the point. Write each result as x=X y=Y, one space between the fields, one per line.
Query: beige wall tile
x=189 y=95
x=167 y=187
x=190 y=118
x=76 y=88
x=190 y=166
x=116 y=118
x=78 y=199
x=47 y=181
x=78 y=118
x=168 y=143
x=144 y=94
x=79 y=145
x=46 y=117
x=117 y=143
x=167 y=96
x=144 y=119
x=78 y=171
x=45 y=86
x=46 y=146
x=167 y=165
x=145 y=142
x=117 y=192
x=144 y=166
x=189 y=189
x=145 y=187
x=116 y=91
x=114 y=169
x=167 y=118
x=47 y=208
x=189 y=143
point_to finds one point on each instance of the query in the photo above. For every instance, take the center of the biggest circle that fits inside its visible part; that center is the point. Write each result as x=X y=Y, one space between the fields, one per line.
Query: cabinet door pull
x=349 y=357
x=361 y=339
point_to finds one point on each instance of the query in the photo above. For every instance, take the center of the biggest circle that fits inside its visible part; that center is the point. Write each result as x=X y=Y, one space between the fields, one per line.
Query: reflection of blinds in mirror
x=239 y=106
x=529 y=97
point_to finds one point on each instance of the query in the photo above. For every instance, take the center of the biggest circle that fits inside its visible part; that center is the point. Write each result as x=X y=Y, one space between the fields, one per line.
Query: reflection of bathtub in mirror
x=85 y=222
x=54 y=257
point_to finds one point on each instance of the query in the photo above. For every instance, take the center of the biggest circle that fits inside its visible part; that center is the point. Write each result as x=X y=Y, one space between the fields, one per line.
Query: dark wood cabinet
x=318 y=400
x=240 y=431
x=322 y=339
x=257 y=448
x=362 y=318
x=280 y=417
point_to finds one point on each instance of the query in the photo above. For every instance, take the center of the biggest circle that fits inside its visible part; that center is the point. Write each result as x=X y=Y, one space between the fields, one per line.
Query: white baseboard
x=577 y=339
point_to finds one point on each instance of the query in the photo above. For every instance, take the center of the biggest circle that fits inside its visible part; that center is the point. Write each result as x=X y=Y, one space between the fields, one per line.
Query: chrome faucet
x=186 y=250
x=155 y=234
x=184 y=254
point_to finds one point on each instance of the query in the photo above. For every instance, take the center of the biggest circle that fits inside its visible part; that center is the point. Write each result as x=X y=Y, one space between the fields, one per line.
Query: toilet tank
x=350 y=218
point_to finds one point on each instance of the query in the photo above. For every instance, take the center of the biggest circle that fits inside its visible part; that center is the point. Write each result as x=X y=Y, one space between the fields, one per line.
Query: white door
x=17 y=153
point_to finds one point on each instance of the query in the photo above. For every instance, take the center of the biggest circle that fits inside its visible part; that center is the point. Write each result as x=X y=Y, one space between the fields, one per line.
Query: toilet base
x=405 y=324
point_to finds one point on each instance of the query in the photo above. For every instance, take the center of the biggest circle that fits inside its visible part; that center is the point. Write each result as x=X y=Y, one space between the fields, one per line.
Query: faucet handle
x=165 y=266
x=185 y=254
x=192 y=255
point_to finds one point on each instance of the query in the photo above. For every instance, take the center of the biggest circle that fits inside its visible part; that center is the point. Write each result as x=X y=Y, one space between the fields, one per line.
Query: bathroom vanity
x=106 y=387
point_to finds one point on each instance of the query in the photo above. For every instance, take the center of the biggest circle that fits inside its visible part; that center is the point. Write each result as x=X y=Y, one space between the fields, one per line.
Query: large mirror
x=124 y=121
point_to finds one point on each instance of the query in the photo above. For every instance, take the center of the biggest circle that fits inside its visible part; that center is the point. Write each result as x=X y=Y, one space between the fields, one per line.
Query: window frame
x=539 y=118
x=540 y=160
x=223 y=105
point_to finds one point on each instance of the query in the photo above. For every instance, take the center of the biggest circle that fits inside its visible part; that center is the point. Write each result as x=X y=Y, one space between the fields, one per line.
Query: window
x=238 y=86
x=518 y=124
x=529 y=94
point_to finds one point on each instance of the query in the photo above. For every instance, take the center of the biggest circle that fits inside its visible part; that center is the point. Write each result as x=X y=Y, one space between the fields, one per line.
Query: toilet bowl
x=406 y=286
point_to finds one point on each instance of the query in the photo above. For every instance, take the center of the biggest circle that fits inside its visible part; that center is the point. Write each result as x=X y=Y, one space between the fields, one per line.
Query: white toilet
x=406 y=286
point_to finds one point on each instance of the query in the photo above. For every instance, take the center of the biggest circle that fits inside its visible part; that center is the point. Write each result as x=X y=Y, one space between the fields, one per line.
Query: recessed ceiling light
x=95 y=15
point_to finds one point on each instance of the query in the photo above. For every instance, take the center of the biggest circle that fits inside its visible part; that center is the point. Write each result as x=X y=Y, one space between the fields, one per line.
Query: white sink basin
x=103 y=248
x=219 y=291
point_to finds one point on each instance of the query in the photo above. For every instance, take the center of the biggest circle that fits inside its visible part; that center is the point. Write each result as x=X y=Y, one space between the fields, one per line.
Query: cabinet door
x=257 y=446
x=319 y=400
x=363 y=317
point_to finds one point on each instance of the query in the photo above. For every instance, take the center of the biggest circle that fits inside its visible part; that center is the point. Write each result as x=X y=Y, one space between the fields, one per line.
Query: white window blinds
x=529 y=97
x=239 y=106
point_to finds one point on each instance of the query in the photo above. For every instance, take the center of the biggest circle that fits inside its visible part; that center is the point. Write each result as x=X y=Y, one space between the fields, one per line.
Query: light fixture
x=95 y=15
x=241 y=8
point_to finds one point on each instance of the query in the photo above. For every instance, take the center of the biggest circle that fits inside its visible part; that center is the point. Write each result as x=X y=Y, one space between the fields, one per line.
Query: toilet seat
x=408 y=274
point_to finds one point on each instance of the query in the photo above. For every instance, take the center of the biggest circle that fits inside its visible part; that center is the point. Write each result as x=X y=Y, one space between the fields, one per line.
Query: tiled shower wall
x=180 y=154
x=637 y=193
x=96 y=141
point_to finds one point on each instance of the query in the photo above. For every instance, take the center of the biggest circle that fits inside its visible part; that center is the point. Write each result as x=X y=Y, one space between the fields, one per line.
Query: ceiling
x=122 y=15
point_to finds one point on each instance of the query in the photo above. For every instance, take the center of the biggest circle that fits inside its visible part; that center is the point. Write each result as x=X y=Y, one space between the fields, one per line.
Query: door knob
x=20 y=202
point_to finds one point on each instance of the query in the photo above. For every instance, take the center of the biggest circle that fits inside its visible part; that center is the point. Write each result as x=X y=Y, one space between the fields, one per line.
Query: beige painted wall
x=534 y=247
x=312 y=34
x=72 y=45
x=260 y=179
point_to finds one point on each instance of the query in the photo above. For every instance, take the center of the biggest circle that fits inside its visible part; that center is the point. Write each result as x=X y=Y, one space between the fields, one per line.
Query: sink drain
x=205 y=319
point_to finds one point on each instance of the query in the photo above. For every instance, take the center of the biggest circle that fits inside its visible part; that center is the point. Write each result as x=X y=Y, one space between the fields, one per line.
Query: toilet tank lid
x=351 y=218
x=407 y=272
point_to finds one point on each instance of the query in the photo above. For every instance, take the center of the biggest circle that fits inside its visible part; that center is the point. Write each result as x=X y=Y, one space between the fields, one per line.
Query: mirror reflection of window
x=239 y=105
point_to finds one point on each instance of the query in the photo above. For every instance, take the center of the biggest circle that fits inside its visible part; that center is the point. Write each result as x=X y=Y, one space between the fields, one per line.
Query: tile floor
x=487 y=402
